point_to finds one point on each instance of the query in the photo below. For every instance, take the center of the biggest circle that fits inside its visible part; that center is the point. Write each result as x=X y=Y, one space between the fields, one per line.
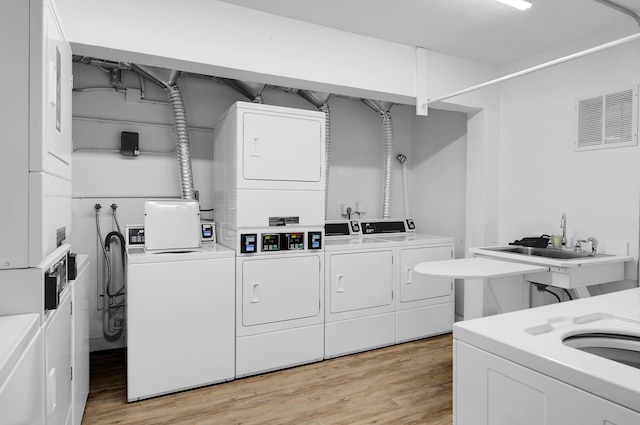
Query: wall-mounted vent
x=608 y=120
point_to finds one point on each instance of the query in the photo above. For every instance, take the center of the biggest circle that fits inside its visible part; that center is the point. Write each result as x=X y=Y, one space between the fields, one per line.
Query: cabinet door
x=414 y=287
x=53 y=101
x=490 y=390
x=280 y=289
x=80 y=293
x=281 y=148
x=58 y=362
x=361 y=280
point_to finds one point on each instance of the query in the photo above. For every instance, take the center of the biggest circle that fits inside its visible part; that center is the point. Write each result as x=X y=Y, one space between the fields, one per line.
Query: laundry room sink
x=566 y=268
x=559 y=253
x=623 y=349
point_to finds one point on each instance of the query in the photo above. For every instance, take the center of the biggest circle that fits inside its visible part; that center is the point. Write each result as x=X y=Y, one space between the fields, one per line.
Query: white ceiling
x=481 y=30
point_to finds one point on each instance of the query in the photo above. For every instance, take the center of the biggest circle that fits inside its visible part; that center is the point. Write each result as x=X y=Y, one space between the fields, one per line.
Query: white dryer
x=359 y=290
x=279 y=299
x=180 y=314
x=424 y=305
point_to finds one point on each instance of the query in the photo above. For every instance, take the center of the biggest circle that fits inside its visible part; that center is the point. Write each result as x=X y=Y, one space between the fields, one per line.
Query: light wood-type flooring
x=408 y=383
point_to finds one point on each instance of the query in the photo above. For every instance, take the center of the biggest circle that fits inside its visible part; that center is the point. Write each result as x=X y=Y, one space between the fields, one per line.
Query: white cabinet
x=57 y=336
x=80 y=336
x=35 y=165
x=490 y=390
x=21 y=370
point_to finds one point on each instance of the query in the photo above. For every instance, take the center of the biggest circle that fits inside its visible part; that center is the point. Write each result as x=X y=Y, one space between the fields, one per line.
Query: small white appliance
x=180 y=316
x=171 y=224
x=21 y=370
x=35 y=166
x=269 y=194
x=425 y=306
x=359 y=290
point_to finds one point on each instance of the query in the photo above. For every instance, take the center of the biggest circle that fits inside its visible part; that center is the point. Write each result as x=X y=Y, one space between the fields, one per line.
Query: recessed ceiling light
x=518 y=4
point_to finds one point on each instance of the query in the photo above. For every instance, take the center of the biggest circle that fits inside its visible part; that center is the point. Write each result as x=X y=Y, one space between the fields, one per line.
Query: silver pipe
x=167 y=79
x=251 y=91
x=388 y=164
x=327 y=153
x=620 y=8
x=383 y=108
x=182 y=143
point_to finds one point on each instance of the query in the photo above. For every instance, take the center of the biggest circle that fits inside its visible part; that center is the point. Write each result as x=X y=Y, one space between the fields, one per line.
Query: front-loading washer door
x=361 y=280
x=414 y=287
x=277 y=289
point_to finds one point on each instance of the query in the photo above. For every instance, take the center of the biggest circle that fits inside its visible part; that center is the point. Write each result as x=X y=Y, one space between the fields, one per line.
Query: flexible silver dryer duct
x=383 y=108
x=170 y=83
x=252 y=91
x=319 y=100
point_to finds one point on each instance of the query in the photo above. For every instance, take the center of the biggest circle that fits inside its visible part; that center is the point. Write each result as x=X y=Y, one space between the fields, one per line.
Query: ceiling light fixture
x=518 y=4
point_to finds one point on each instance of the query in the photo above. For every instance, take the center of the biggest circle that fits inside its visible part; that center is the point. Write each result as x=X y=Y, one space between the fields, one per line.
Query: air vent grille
x=608 y=120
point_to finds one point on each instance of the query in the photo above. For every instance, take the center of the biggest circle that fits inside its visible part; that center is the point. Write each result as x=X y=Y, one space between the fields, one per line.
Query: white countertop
x=475 y=268
x=551 y=262
x=533 y=338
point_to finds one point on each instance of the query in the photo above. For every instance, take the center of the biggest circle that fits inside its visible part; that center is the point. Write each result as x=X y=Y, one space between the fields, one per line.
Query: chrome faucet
x=563 y=226
x=594 y=245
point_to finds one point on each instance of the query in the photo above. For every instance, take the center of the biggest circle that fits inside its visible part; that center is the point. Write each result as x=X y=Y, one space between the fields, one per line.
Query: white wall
x=542 y=176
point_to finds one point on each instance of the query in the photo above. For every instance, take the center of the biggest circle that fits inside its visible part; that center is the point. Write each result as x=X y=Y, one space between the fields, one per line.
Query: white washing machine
x=425 y=306
x=359 y=290
x=279 y=299
x=180 y=317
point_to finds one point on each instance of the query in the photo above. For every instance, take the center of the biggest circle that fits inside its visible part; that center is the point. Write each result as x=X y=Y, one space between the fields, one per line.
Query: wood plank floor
x=409 y=383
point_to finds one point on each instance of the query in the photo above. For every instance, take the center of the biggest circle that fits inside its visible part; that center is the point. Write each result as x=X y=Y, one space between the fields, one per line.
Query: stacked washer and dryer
x=269 y=192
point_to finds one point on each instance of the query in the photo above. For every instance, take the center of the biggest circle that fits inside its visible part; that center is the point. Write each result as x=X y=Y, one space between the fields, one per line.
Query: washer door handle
x=254 y=292
x=409 y=275
x=255 y=146
x=339 y=276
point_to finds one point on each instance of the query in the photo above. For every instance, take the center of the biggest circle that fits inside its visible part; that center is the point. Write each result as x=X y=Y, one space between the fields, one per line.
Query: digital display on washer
x=295 y=240
x=336 y=229
x=270 y=242
x=315 y=240
x=248 y=243
x=135 y=235
x=369 y=228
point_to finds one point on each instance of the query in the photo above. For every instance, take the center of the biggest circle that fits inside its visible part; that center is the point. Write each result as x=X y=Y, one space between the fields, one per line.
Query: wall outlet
x=344 y=207
x=361 y=207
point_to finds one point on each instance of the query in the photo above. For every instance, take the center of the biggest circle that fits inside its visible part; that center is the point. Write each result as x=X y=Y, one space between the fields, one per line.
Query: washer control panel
x=268 y=242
